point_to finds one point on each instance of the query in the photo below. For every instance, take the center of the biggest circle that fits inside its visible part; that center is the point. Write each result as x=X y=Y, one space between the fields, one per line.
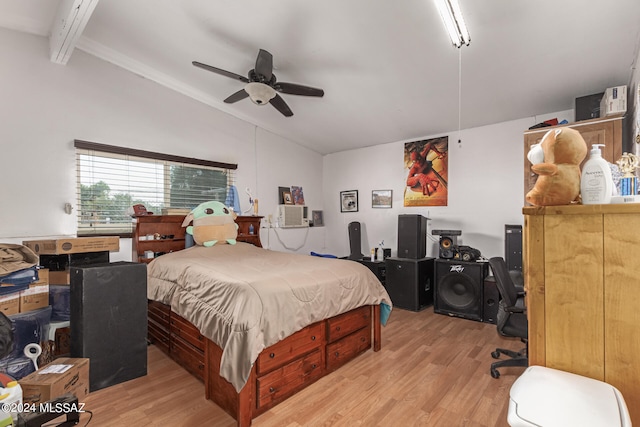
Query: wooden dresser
x=607 y=131
x=582 y=276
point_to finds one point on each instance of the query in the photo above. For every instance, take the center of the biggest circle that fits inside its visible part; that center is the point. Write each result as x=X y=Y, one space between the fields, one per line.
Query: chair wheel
x=495 y=354
x=495 y=373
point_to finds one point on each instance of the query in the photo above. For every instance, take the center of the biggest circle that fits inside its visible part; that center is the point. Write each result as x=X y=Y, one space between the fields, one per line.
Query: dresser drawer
x=158 y=336
x=341 y=351
x=188 y=357
x=296 y=345
x=290 y=378
x=185 y=330
x=344 y=324
x=159 y=313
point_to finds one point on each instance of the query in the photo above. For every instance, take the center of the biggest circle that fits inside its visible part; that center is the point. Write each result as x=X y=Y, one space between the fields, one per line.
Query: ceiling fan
x=261 y=84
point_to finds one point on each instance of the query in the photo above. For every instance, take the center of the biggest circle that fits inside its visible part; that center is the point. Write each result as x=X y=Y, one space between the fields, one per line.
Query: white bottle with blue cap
x=596 y=183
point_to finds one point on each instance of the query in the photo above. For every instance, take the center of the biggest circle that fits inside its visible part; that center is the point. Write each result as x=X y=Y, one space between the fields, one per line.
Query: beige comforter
x=245 y=298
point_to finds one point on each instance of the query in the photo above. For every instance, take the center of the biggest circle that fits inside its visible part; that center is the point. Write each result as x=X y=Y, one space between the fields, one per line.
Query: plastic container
x=13 y=397
x=6 y=419
x=596 y=183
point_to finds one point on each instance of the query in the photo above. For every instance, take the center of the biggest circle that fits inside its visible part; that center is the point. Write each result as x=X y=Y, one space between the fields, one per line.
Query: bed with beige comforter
x=245 y=298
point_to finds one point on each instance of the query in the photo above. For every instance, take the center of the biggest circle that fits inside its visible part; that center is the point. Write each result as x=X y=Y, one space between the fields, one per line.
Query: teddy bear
x=556 y=160
x=213 y=223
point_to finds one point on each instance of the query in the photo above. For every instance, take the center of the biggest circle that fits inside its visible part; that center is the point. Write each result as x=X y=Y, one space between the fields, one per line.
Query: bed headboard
x=165 y=233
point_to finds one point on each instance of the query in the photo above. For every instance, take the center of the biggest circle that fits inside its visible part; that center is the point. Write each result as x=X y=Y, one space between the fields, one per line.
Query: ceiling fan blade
x=281 y=106
x=295 y=89
x=221 y=72
x=239 y=95
x=264 y=64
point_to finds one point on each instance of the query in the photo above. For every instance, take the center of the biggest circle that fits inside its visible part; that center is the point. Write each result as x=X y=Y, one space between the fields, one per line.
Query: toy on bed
x=213 y=223
x=557 y=160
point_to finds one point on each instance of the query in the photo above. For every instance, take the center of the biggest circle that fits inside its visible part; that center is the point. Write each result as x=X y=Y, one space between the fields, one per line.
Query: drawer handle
x=337 y=354
x=313 y=338
x=200 y=337
x=338 y=328
x=201 y=367
x=272 y=355
x=362 y=339
x=271 y=389
x=314 y=366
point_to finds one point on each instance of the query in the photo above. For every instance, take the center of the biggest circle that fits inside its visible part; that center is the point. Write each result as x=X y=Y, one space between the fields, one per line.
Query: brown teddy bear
x=559 y=174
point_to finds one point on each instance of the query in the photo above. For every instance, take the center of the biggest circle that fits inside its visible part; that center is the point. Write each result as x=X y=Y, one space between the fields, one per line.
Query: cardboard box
x=10 y=303
x=73 y=245
x=614 y=101
x=37 y=296
x=59 y=277
x=63 y=375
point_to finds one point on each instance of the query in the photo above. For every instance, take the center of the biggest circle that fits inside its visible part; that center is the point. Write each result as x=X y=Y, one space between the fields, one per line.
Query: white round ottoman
x=545 y=397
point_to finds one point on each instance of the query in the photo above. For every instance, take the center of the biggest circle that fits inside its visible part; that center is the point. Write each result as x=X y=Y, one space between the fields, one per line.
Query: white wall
x=45 y=106
x=486 y=188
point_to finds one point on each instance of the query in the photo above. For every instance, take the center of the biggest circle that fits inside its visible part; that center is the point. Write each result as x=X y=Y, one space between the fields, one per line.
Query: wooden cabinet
x=160 y=234
x=582 y=276
x=249 y=229
x=607 y=131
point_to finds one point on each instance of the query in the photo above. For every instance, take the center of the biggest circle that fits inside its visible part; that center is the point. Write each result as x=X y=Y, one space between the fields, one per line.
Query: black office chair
x=512 y=317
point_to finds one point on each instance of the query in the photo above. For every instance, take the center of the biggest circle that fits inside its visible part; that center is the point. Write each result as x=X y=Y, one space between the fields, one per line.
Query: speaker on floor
x=355 y=241
x=409 y=282
x=490 y=300
x=459 y=288
x=108 y=321
x=412 y=236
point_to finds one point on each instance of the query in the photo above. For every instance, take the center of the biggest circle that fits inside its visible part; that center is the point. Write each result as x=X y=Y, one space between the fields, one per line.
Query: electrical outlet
x=270 y=219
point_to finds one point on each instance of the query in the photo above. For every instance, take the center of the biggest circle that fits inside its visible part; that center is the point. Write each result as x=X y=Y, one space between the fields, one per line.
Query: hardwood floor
x=433 y=370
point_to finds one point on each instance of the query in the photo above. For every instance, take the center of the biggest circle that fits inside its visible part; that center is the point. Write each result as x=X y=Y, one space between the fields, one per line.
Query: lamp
x=260 y=93
x=454 y=22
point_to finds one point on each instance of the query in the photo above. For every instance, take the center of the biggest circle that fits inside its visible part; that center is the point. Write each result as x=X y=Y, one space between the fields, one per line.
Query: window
x=113 y=179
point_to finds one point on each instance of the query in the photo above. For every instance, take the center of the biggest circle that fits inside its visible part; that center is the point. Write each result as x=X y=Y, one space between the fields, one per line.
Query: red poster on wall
x=426 y=163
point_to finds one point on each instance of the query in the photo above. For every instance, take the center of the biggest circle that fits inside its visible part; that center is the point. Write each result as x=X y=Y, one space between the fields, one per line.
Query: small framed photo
x=349 y=201
x=287 y=197
x=381 y=198
x=317 y=218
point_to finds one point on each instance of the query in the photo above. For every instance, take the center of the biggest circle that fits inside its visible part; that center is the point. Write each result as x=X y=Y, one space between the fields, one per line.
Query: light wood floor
x=433 y=370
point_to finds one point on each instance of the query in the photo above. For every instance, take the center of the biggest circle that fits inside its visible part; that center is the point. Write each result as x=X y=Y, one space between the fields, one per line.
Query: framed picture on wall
x=381 y=198
x=349 y=201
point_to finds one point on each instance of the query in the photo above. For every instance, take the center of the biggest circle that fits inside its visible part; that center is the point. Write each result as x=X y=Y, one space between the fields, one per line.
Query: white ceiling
x=387 y=68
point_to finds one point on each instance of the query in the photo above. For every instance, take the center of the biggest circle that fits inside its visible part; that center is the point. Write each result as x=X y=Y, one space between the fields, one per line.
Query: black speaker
x=513 y=247
x=412 y=236
x=459 y=288
x=108 y=321
x=447 y=247
x=355 y=241
x=490 y=299
x=409 y=282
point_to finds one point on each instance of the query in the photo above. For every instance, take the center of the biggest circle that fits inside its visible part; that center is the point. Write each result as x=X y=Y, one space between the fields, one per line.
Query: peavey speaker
x=459 y=288
x=412 y=236
x=109 y=321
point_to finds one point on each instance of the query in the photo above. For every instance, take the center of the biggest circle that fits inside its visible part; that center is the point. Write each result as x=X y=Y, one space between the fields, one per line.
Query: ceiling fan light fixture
x=260 y=93
x=454 y=22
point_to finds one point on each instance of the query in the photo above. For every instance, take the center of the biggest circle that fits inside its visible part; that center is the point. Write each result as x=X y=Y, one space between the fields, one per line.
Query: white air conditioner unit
x=292 y=216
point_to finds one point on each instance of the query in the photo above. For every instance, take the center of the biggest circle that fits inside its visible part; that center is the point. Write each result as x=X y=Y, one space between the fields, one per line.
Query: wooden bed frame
x=281 y=370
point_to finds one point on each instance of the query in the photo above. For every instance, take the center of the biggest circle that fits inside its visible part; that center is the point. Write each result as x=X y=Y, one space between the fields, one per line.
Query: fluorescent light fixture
x=454 y=22
x=260 y=93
